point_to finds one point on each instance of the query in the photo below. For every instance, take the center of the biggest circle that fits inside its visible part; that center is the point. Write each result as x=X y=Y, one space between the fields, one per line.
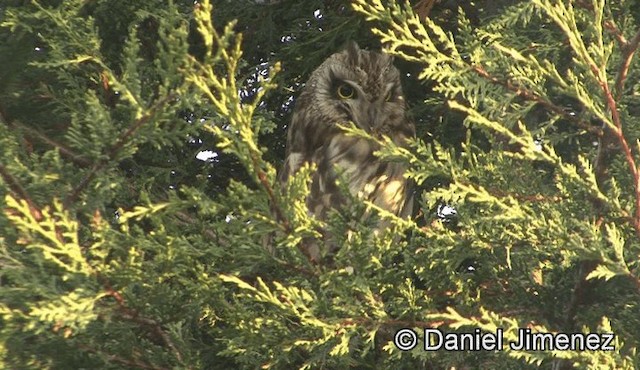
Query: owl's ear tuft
x=386 y=45
x=352 y=47
x=353 y=52
x=392 y=59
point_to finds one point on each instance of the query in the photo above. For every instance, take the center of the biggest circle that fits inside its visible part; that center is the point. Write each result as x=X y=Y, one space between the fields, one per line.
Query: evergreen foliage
x=120 y=250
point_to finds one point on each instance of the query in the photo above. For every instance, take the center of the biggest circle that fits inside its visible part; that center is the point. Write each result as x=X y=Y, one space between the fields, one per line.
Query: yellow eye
x=345 y=91
x=389 y=97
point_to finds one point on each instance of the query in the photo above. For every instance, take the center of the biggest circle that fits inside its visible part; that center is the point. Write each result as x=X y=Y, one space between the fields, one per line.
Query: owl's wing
x=306 y=136
x=297 y=153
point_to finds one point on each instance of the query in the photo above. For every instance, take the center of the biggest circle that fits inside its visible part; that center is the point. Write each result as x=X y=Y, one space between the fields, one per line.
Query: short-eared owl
x=356 y=86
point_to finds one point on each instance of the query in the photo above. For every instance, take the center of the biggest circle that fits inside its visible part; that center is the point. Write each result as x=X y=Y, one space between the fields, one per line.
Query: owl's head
x=359 y=86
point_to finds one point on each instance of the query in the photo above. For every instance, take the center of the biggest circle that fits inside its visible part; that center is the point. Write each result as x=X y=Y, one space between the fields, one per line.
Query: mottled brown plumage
x=356 y=86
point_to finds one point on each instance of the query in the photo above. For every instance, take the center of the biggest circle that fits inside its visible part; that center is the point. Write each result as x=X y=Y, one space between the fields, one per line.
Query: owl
x=362 y=87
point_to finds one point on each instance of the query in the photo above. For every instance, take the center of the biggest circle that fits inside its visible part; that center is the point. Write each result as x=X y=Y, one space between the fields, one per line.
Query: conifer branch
x=21 y=193
x=186 y=219
x=122 y=140
x=531 y=96
x=211 y=235
x=262 y=177
x=395 y=323
x=154 y=327
x=628 y=50
x=133 y=363
x=133 y=315
x=423 y=8
x=622 y=141
x=579 y=293
x=533 y=198
x=610 y=26
x=15 y=186
x=64 y=151
x=582 y=287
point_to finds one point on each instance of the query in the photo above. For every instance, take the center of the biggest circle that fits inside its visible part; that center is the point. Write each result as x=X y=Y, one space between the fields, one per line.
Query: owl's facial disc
x=367 y=111
x=392 y=93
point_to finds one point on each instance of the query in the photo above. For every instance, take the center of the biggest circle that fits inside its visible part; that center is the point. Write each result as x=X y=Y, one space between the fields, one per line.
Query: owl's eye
x=345 y=91
x=389 y=97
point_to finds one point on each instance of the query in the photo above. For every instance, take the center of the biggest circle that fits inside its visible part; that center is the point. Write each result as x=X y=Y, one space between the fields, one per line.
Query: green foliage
x=119 y=250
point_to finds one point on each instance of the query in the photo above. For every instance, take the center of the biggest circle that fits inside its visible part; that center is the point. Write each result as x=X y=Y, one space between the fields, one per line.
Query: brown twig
x=613 y=29
x=628 y=50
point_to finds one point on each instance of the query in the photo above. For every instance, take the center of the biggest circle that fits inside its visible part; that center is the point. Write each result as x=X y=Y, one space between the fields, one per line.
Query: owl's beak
x=375 y=117
x=369 y=116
